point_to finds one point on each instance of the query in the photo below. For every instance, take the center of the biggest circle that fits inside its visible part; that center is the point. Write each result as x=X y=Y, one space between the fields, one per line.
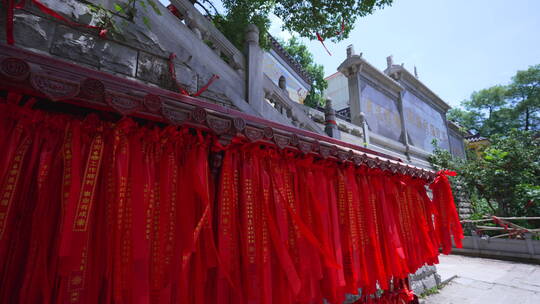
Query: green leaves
x=146 y=21
x=498 y=109
x=504 y=179
x=301 y=54
x=492 y=154
x=324 y=16
x=154 y=6
x=118 y=8
x=332 y=19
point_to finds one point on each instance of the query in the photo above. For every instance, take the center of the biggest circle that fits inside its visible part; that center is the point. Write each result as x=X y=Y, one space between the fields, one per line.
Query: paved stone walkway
x=486 y=281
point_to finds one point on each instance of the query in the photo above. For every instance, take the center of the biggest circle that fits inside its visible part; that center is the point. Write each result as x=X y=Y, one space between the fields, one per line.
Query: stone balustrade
x=285 y=107
x=206 y=31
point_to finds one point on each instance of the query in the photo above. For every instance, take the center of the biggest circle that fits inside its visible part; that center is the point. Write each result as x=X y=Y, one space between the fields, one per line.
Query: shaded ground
x=486 y=281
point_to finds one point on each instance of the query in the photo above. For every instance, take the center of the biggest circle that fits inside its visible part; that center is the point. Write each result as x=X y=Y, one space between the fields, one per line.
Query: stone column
x=365 y=129
x=330 y=123
x=405 y=137
x=255 y=93
x=351 y=68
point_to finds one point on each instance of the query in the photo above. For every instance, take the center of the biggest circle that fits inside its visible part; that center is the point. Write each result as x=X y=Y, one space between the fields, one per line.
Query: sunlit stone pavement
x=486 y=281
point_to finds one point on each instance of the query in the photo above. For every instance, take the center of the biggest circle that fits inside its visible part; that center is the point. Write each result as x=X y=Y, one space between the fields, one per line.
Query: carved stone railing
x=288 y=108
x=206 y=31
x=60 y=82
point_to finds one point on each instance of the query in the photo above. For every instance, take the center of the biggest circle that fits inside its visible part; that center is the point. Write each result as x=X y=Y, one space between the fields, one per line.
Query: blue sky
x=458 y=46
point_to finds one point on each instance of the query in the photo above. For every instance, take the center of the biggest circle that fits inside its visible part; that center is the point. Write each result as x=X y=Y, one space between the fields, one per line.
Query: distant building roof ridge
x=396 y=69
x=295 y=65
x=474 y=138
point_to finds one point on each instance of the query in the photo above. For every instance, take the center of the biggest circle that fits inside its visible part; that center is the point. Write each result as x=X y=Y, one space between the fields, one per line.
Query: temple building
x=154 y=162
x=403 y=116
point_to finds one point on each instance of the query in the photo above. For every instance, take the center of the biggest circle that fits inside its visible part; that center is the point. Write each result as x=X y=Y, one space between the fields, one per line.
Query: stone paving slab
x=486 y=281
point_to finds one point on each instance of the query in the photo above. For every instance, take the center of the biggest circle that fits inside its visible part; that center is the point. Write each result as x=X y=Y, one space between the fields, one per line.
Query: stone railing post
x=530 y=245
x=330 y=123
x=405 y=134
x=203 y=29
x=365 y=128
x=255 y=92
x=351 y=69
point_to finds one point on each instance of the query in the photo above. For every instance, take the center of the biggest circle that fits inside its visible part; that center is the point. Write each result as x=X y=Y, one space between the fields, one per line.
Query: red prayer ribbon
x=118 y=212
x=342 y=28
x=322 y=42
x=10 y=15
x=205 y=87
x=172 y=71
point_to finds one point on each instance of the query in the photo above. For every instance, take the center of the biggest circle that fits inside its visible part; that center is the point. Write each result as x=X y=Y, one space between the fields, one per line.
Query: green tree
x=466 y=119
x=505 y=177
x=302 y=55
x=487 y=100
x=487 y=110
x=332 y=19
x=524 y=94
x=498 y=109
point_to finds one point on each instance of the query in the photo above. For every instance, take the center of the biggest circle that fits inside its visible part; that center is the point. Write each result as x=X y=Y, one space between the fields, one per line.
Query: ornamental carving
x=123 y=103
x=381 y=164
x=305 y=147
x=176 y=117
x=402 y=169
x=198 y=115
x=343 y=155
x=15 y=69
x=357 y=159
x=152 y=103
x=294 y=140
x=92 y=89
x=391 y=166
x=409 y=170
x=54 y=88
x=239 y=124
x=333 y=150
x=268 y=132
x=219 y=125
x=253 y=134
x=316 y=146
x=281 y=140
x=324 y=151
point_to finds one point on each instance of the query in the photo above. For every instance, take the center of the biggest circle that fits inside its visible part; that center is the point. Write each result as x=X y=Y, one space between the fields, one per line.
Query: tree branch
x=212 y=5
x=483 y=193
x=204 y=8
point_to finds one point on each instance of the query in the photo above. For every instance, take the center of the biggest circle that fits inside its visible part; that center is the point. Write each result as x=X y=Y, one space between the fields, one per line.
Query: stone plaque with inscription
x=381 y=113
x=423 y=123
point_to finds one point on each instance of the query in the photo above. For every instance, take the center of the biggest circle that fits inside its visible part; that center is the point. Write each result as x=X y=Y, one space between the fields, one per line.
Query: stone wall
x=462 y=200
x=137 y=52
x=424 y=279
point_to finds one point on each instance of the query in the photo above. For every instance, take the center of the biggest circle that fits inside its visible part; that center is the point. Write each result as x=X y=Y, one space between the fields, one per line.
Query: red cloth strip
x=205 y=87
x=10 y=14
x=172 y=71
x=322 y=42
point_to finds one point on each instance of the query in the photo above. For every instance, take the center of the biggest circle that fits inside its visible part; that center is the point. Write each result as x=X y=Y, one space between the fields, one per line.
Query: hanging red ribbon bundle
x=100 y=212
x=448 y=220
